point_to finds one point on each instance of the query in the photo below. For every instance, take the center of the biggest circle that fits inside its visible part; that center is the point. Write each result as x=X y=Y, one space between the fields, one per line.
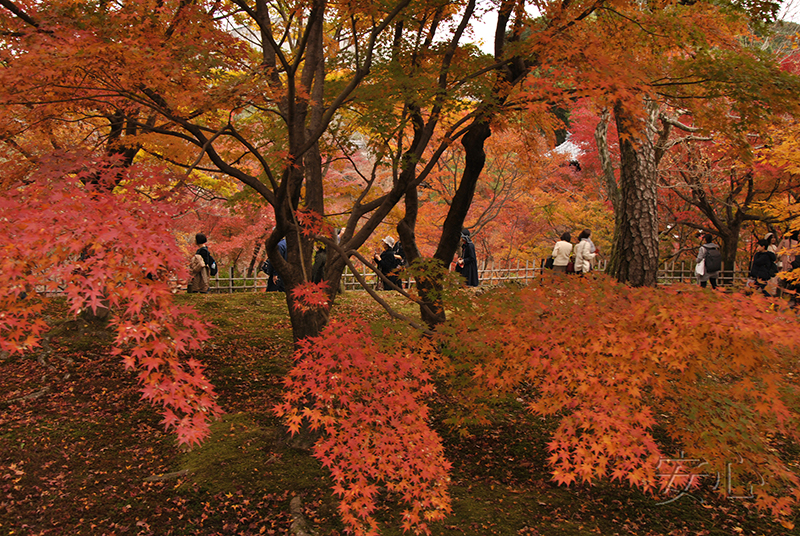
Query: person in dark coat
x=388 y=261
x=763 y=268
x=200 y=266
x=468 y=262
x=274 y=281
x=398 y=251
x=318 y=268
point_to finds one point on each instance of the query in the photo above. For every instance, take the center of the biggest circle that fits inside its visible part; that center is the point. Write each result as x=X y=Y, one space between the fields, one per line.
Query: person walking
x=711 y=258
x=585 y=252
x=561 y=253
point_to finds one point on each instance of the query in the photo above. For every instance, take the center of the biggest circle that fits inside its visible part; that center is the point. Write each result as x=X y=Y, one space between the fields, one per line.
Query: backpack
x=211 y=263
x=713 y=259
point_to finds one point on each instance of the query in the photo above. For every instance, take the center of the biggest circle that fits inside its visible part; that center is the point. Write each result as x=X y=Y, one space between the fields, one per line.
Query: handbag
x=549 y=263
x=700 y=269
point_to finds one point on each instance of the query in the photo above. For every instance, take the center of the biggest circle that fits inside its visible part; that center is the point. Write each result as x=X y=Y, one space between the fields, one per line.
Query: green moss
x=241 y=453
x=234 y=456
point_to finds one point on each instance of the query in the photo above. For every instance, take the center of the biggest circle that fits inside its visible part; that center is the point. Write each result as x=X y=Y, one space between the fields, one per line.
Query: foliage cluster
x=367 y=398
x=630 y=378
x=116 y=258
x=88 y=456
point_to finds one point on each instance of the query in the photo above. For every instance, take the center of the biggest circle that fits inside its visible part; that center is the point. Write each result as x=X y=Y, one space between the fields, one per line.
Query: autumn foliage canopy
x=109 y=110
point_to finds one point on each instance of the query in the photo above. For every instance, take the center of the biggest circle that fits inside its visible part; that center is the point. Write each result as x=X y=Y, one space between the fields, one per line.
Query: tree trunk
x=729 y=246
x=450 y=239
x=635 y=251
x=305 y=323
x=601 y=140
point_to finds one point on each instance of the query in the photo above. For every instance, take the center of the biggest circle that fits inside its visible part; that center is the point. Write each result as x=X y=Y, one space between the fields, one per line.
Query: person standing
x=561 y=253
x=763 y=268
x=711 y=257
x=200 y=266
x=585 y=252
x=398 y=251
x=468 y=262
x=786 y=250
x=274 y=281
x=318 y=267
x=772 y=242
x=388 y=262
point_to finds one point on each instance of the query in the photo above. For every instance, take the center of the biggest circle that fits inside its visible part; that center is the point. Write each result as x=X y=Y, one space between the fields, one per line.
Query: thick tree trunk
x=305 y=323
x=473 y=141
x=635 y=251
x=729 y=245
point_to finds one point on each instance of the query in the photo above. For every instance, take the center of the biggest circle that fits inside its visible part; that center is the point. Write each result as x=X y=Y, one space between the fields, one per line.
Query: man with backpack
x=201 y=267
x=709 y=262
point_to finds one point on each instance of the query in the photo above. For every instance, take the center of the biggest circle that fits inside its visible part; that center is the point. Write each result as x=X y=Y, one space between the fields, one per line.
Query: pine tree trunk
x=635 y=251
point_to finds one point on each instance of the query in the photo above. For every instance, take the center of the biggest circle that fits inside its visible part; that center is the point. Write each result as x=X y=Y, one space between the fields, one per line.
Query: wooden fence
x=683 y=272
x=491 y=274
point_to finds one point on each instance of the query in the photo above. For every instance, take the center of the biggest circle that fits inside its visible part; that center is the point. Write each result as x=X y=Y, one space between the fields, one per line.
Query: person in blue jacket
x=274 y=282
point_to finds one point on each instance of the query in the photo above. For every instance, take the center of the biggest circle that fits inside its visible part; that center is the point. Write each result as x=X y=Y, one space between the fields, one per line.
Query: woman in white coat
x=584 y=253
x=561 y=253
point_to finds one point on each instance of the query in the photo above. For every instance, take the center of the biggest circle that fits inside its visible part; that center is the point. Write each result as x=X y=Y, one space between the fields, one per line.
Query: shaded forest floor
x=80 y=453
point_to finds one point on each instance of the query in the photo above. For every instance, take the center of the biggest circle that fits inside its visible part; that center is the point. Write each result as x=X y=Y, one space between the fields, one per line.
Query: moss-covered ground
x=80 y=453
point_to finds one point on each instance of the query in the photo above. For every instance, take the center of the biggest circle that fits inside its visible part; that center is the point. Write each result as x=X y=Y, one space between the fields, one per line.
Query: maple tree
x=723 y=193
x=250 y=91
x=264 y=93
x=706 y=183
x=528 y=194
x=126 y=266
x=260 y=95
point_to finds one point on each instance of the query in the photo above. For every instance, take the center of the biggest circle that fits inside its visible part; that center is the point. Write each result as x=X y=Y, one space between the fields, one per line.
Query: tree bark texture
x=635 y=251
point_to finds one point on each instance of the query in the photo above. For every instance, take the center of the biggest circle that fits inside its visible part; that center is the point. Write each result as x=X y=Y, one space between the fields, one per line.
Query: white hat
x=389 y=241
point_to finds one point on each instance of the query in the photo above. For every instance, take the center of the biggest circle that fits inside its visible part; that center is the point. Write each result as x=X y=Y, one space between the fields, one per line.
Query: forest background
x=126 y=127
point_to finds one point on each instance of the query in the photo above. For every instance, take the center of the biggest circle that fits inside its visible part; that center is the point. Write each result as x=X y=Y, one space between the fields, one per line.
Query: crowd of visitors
x=771 y=257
